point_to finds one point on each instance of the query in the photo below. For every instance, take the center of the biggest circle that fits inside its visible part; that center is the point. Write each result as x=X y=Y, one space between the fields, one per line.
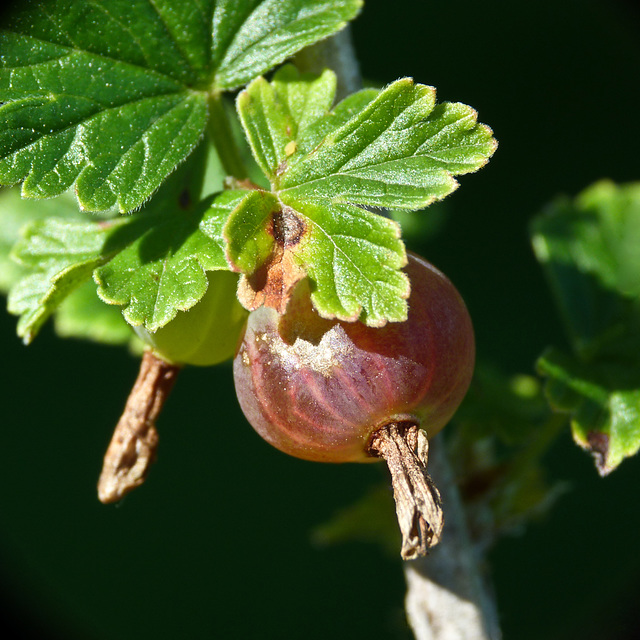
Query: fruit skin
x=207 y=333
x=317 y=389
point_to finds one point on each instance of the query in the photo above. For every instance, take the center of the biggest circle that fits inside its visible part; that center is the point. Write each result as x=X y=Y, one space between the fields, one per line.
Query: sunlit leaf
x=110 y=96
x=392 y=148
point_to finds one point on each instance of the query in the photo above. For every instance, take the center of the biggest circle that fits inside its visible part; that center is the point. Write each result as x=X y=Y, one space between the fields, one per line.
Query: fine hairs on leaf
x=388 y=148
x=325 y=163
x=86 y=101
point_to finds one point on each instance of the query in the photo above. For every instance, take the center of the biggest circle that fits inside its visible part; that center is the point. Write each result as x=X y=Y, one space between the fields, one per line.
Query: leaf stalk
x=222 y=138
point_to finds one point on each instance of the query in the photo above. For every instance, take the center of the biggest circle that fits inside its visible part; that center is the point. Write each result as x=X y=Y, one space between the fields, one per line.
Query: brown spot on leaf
x=271 y=285
x=598 y=444
x=273 y=282
x=287 y=228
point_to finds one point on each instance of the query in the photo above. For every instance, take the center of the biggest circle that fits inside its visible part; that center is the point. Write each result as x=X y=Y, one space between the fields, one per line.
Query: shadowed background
x=217 y=544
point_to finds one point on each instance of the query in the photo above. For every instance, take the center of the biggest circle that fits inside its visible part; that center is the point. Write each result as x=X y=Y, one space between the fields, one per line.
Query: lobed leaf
x=392 y=148
x=163 y=269
x=110 y=96
x=153 y=263
x=72 y=117
x=81 y=314
x=60 y=256
x=252 y=36
x=399 y=151
x=351 y=256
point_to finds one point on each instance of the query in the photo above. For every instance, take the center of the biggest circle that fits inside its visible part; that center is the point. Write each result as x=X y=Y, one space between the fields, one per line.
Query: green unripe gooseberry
x=207 y=333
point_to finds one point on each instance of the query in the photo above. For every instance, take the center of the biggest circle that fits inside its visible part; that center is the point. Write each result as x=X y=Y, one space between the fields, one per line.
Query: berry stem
x=133 y=446
x=404 y=447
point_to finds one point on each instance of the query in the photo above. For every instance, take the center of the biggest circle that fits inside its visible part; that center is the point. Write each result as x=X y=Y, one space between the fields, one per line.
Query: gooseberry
x=207 y=333
x=334 y=391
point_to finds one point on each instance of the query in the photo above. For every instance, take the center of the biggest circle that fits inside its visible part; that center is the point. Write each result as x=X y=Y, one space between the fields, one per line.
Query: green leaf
x=152 y=263
x=81 y=314
x=353 y=258
x=109 y=96
x=252 y=36
x=603 y=400
x=588 y=248
x=388 y=148
x=60 y=255
x=89 y=102
x=163 y=270
x=399 y=152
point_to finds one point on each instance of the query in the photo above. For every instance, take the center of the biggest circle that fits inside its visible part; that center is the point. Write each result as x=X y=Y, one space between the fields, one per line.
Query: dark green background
x=217 y=543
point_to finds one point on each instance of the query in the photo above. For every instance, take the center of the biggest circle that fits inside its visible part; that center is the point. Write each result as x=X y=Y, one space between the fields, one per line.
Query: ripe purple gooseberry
x=334 y=391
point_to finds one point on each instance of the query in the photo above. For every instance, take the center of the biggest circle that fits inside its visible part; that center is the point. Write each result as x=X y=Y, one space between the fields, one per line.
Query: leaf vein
x=169 y=33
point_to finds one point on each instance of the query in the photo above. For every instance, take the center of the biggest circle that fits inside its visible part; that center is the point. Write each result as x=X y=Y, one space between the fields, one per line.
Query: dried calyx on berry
x=334 y=391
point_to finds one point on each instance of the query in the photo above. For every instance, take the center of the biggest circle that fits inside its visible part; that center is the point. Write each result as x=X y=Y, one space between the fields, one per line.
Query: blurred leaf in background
x=72 y=318
x=589 y=248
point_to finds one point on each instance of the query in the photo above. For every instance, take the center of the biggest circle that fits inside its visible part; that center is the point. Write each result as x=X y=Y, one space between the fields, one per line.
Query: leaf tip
x=597 y=444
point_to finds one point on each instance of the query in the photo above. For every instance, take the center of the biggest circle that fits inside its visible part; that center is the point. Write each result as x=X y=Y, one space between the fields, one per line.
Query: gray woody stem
x=446 y=597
